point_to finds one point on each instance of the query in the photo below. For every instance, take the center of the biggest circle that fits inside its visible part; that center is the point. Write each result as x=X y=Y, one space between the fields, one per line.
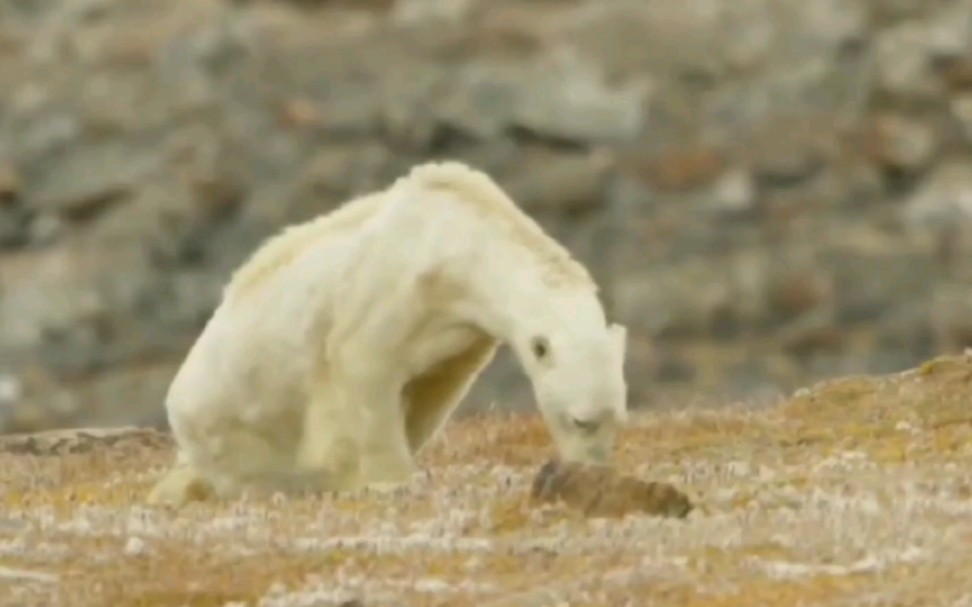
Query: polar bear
x=342 y=346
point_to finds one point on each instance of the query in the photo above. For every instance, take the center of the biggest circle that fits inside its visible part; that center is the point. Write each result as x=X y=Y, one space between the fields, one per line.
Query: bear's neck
x=514 y=304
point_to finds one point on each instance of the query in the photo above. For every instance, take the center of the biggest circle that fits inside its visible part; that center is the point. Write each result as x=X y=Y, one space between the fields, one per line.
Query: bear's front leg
x=354 y=434
x=386 y=461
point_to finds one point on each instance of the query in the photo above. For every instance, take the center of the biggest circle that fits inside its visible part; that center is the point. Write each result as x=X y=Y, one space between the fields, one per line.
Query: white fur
x=342 y=346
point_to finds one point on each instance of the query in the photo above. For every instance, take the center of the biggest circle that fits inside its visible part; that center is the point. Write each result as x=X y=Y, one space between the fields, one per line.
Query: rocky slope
x=769 y=190
x=853 y=492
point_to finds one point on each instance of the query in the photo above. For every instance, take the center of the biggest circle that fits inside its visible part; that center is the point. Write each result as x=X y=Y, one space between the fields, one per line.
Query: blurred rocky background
x=769 y=191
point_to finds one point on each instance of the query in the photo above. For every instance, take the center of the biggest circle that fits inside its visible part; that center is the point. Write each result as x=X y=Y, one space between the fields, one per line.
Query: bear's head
x=578 y=381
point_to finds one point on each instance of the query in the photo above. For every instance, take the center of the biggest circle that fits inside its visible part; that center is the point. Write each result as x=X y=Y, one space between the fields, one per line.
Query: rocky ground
x=769 y=191
x=854 y=492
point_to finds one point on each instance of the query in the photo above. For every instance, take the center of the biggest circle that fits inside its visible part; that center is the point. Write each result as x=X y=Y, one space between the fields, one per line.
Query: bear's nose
x=587 y=425
x=591 y=419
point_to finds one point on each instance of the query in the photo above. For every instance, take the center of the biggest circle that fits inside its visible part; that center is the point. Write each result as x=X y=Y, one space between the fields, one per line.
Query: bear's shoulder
x=490 y=203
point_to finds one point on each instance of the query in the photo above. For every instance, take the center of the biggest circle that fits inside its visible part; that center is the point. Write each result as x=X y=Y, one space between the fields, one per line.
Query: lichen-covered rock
x=600 y=491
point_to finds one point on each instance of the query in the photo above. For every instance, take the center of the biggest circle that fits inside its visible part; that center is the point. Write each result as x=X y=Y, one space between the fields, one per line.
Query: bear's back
x=284 y=247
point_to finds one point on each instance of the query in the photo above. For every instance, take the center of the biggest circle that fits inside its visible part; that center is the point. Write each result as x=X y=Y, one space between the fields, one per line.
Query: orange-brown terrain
x=853 y=492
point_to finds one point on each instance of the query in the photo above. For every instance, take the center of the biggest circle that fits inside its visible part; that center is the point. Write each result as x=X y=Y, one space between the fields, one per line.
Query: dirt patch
x=857 y=491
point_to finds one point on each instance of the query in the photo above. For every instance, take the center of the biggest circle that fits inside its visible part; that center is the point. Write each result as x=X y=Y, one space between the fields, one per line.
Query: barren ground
x=855 y=492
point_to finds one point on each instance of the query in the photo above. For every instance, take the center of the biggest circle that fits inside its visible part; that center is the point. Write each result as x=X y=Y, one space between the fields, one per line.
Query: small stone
x=14 y=217
x=11 y=389
x=902 y=143
x=567 y=99
x=793 y=291
x=46 y=228
x=902 y=56
x=734 y=192
x=957 y=74
x=481 y=102
x=949 y=31
x=14 y=226
x=785 y=151
x=684 y=169
x=562 y=182
x=90 y=178
x=135 y=546
x=802 y=392
x=10 y=184
x=961 y=106
x=944 y=197
x=301 y=113
x=218 y=196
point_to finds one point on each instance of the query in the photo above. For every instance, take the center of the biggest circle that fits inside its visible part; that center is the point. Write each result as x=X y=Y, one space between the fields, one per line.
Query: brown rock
x=795 y=291
x=785 y=151
x=217 y=196
x=942 y=198
x=9 y=183
x=301 y=113
x=567 y=100
x=565 y=182
x=957 y=75
x=961 y=110
x=680 y=169
x=14 y=217
x=598 y=491
x=902 y=62
x=734 y=192
x=902 y=143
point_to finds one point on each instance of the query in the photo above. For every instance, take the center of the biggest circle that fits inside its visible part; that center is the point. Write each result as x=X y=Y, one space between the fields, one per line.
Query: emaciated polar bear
x=342 y=346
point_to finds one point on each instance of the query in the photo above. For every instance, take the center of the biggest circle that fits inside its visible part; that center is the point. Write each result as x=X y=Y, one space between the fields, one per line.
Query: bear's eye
x=540 y=347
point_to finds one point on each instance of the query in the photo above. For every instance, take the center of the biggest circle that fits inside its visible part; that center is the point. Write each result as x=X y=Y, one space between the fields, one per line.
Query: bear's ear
x=540 y=348
x=619 y=335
